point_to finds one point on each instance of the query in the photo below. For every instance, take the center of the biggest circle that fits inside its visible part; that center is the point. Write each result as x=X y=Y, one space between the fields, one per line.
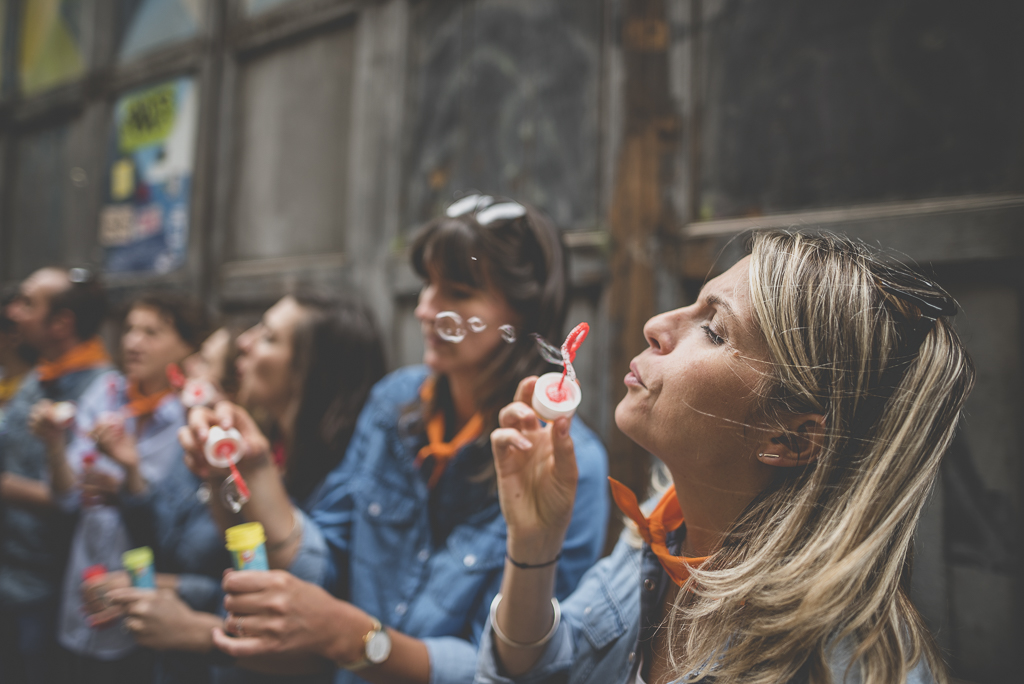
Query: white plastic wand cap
x=551 y=410
x=223 y=447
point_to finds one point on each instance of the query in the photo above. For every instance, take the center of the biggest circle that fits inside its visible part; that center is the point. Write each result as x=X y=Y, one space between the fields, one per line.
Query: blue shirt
x=34 y=543
x=613 y=614
x=100 y=535
x=427 y=563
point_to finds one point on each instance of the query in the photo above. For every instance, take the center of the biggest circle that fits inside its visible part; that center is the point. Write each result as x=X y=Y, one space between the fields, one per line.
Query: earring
x=770 y=456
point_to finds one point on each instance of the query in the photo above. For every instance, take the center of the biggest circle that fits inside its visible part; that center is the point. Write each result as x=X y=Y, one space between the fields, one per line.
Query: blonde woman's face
x=691 y=393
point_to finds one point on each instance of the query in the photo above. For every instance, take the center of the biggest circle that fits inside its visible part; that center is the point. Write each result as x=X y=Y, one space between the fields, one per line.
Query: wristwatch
x=376 y=650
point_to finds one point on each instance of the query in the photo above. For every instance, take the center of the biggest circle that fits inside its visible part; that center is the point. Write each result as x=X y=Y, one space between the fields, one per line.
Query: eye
x=716 y=339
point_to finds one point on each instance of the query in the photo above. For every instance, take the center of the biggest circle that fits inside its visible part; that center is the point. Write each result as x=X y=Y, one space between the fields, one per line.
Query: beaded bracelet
x=518 y=644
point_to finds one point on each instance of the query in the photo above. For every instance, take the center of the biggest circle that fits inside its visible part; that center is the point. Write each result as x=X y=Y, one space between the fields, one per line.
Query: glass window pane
x=293 y=156
x=506 y=100
x=144 y=220
x=159 y=23
x=817 y=104
x=53 y=46
x=38 y=200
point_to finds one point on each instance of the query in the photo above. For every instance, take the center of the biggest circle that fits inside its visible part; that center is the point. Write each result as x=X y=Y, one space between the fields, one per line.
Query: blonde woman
x=801 y=407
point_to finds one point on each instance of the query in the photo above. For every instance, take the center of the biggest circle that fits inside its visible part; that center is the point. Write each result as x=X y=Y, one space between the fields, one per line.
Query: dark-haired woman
x=308 y=367
x=410 y=519
x=131 y=418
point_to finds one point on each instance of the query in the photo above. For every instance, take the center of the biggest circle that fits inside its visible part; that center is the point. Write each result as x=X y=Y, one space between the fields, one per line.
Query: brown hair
x=522 y=259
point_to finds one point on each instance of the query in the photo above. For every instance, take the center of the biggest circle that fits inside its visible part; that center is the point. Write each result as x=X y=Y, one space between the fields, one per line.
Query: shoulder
x=845 y=671
x=398 y=388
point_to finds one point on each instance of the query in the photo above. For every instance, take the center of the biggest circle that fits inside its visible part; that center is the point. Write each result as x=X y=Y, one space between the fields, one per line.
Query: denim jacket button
x=649 y=584
x=632 y=657
x=374 y=509
x=587 y=610
x=469 y=561
x=401 y=608
x=423 y=555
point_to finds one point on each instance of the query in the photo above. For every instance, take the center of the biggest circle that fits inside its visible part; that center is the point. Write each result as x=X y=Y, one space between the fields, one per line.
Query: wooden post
x=640 y=212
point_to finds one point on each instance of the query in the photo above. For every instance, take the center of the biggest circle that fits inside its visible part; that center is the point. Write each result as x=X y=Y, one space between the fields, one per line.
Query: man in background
x=58 y=313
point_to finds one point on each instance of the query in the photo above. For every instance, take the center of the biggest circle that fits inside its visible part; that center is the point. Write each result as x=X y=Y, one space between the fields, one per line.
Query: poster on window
x=144 y=219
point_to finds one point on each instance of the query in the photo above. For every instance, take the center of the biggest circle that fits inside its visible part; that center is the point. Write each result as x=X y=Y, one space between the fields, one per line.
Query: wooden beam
x=640 y=214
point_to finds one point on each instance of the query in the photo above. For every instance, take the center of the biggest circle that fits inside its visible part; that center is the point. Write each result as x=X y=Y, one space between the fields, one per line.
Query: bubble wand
x=553 y=398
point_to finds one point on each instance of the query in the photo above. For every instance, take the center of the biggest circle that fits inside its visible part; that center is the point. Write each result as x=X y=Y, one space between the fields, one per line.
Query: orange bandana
x=441 y=450
x=83 y=356
x=666 y=517
x=139 y=404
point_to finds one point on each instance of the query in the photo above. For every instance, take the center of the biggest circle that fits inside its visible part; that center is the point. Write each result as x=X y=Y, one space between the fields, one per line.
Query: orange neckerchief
x=441 y=450
x=140 y=404
x=666 y=517
x=82 y=356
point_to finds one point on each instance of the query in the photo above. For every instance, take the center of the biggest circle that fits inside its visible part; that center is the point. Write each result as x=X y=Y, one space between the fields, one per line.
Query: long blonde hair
x=821 y=558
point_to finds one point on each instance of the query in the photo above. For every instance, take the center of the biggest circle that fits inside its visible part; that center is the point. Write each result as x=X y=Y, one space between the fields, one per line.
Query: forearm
x=166 y=581
x=134 y=483
x=62 y=479
x=25 y=492
x=524 y=615
x=199 y=632
x=270 y=506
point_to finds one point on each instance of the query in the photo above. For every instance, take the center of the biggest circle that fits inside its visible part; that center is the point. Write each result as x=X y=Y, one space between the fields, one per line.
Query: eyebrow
x=719 y=303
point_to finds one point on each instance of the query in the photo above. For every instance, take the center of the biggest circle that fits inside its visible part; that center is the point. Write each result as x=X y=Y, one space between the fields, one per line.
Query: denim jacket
x=427 y=563
x=34 y=543
x=612 y=617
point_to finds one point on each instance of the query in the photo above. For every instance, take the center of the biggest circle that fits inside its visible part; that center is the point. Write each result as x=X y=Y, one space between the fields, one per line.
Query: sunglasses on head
x=485 y=209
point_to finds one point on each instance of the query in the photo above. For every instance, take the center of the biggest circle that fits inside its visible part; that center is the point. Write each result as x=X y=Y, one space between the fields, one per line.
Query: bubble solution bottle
x=139 y=564
x=246 y=545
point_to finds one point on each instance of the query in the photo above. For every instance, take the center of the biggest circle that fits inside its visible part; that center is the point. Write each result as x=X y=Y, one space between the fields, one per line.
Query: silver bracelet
x=518 y=644
x=297 y=528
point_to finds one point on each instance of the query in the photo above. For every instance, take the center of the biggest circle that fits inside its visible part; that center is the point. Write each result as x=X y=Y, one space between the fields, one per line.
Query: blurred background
x=239 y=149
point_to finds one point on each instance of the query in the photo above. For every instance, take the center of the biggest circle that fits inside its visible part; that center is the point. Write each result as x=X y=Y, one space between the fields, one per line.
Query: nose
x=426 y=308
x=244 y=340
x=661 y=330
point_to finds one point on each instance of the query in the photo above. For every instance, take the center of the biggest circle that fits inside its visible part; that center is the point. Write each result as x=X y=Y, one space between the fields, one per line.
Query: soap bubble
x=476 y=325
x=508 y=333
x=203 y=493
x=449 y=326
x=233 y=497
x=548 y=351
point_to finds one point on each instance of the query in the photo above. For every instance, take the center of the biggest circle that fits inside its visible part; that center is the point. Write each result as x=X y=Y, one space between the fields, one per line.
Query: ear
x=798 y=445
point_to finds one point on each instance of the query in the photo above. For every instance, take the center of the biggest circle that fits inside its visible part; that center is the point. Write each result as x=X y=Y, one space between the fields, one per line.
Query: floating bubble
x=476 y=325
x=203 y=493
x=233 y=497
x=548 y=351
x=508 y=333
x=449 y=326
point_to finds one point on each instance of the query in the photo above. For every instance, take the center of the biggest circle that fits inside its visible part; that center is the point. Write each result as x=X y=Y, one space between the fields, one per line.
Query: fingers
x=251 y=581
x=239 y=647
x=194 y=461
x=225 y=412
x=565 y=450
x=105 y=617
x=200 y=419
x=524 y=392
x=505 y=439
x=127 y=597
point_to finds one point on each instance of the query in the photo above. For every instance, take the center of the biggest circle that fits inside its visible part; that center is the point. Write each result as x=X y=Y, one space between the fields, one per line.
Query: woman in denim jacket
x=308 y=366
x=410 y=518
x=801 y=407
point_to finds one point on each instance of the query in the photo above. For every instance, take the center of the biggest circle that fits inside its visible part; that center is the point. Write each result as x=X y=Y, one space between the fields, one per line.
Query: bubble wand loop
x=569 y=348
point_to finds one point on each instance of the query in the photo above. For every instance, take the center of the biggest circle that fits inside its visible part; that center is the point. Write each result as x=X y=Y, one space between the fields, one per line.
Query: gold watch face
x=378 y=648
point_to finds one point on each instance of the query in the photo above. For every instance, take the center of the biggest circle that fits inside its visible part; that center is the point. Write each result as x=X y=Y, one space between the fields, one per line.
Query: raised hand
x=42 y=424
x=537 y=474
x=255 y=446
x=113 y=440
